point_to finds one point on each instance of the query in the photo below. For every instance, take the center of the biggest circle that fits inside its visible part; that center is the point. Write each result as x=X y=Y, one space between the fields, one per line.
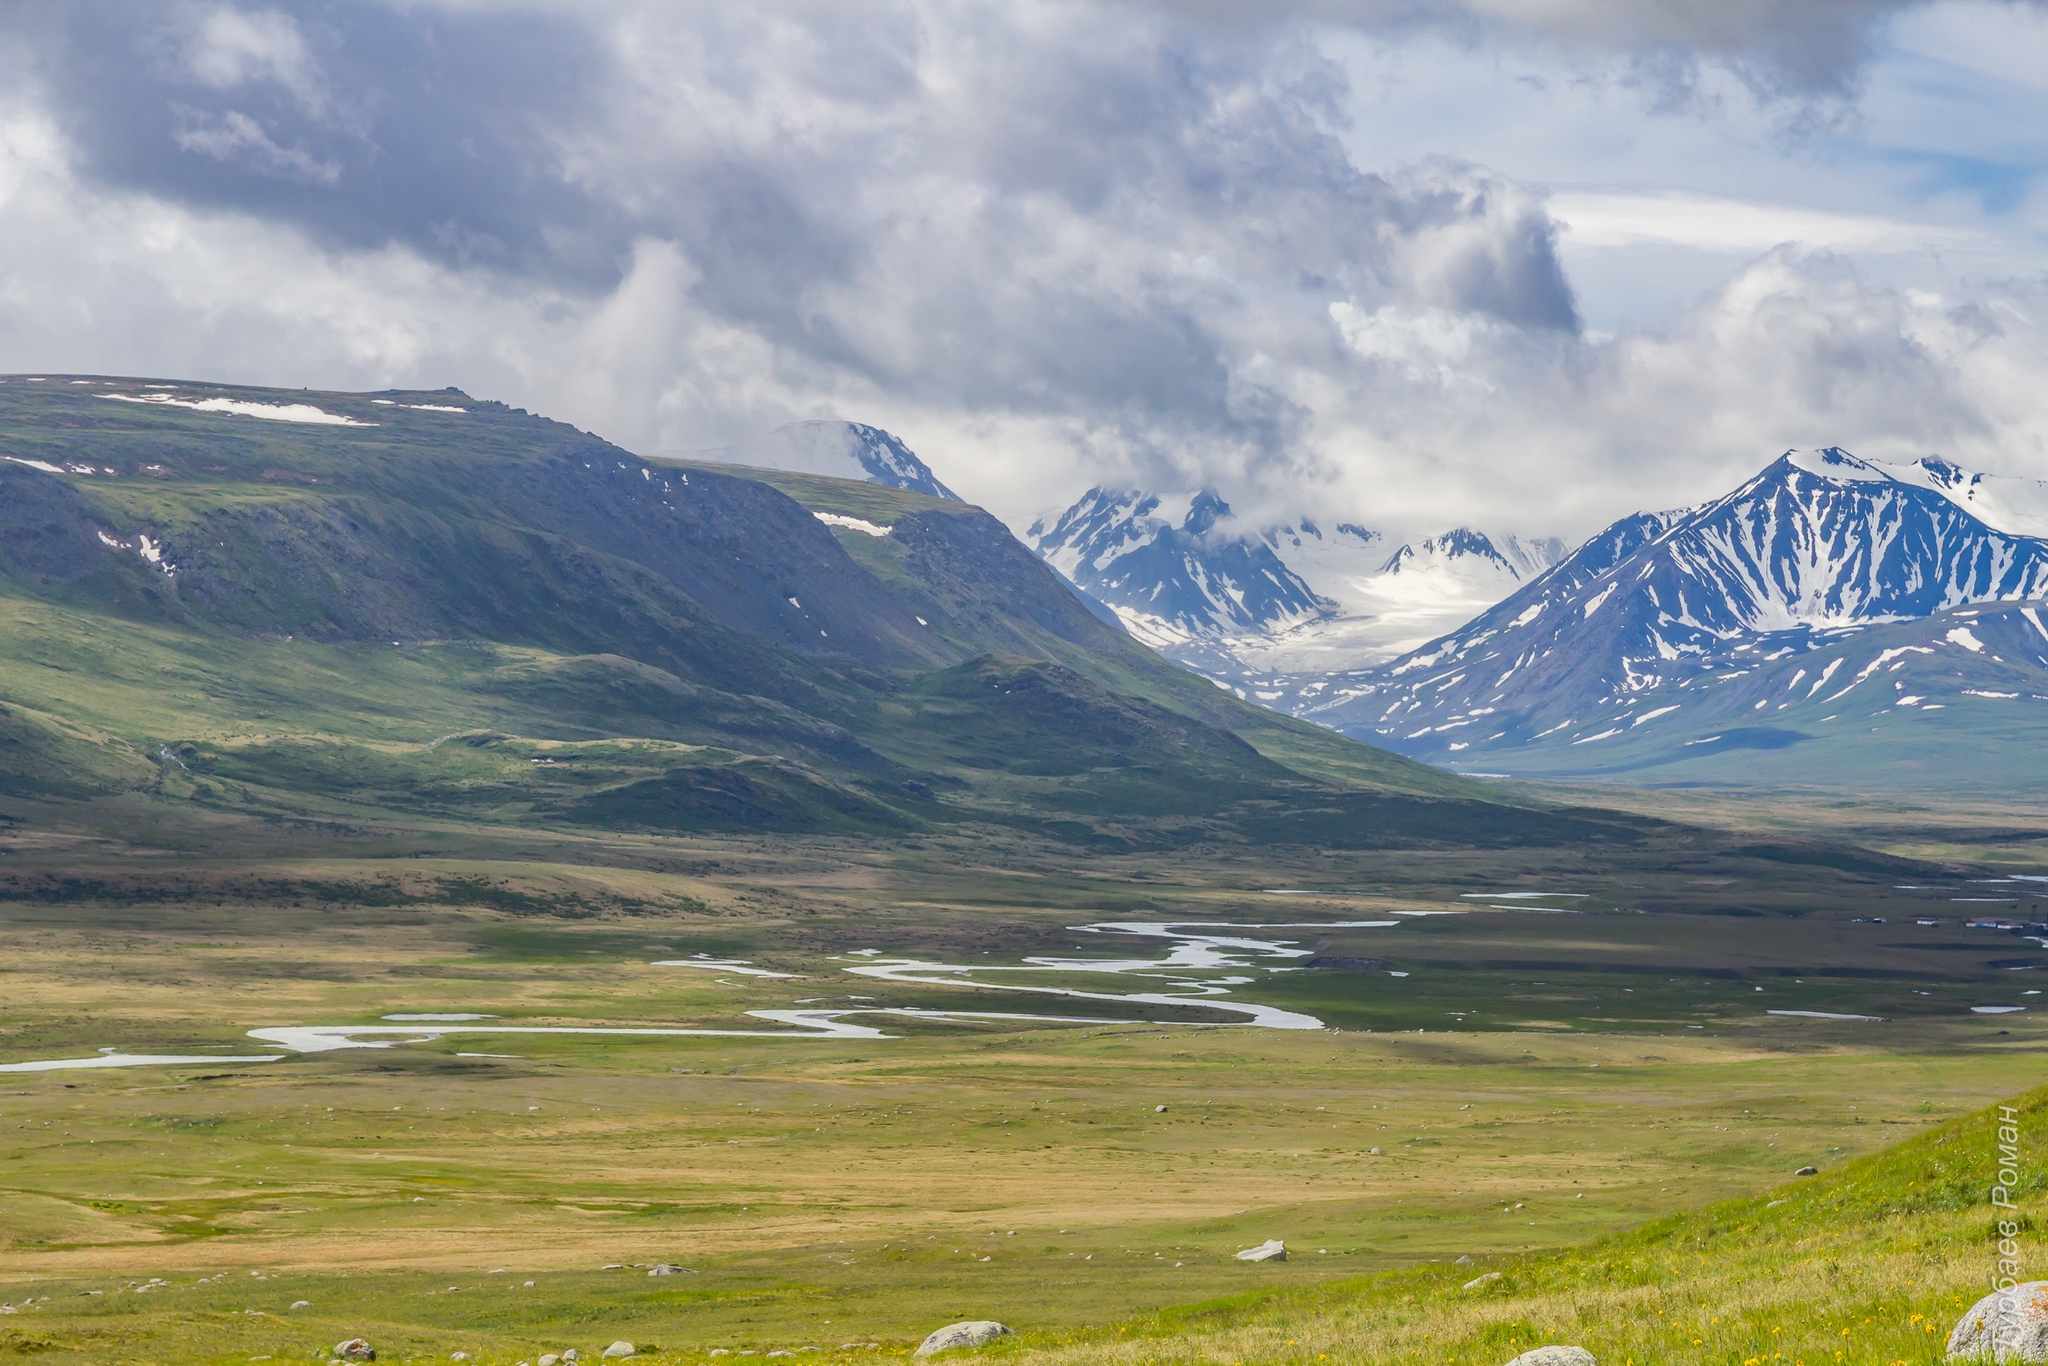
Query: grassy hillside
x=294 y=617
x=1872 y=1262
x=952 y=562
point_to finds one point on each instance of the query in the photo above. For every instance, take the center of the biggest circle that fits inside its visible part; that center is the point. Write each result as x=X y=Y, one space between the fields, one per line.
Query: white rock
x=572 y=1355
x=971 y=1333
x=355 y=1349
x=1272 y=1250
x=2006 y=1325
x=1556 y=1356
x=460 y=1356
x=549 y=1359
x=1481 y=1282
x=665 y=1269
x=302 y=1304
x=619 y=1349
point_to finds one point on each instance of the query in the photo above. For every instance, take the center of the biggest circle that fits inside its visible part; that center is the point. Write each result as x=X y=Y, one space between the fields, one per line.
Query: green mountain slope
x=287 y=601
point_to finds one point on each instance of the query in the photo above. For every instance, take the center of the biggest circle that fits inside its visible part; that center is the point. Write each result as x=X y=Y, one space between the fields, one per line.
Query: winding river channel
x=1192 y=948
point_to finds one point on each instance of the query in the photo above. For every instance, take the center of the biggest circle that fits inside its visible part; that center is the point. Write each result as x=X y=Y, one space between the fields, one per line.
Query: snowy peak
x=1832 y=463
x=1822 y=539
x=845 y=450
x=2016 y=506
x=1303 y=597
x=1167 y=570
x=1344 y=537
x=1101 y=527
x=1817 y=547
x=1474 y=553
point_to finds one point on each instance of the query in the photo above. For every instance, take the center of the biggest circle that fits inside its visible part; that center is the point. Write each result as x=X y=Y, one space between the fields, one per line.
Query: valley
x=452 y=867
x=1531 y=1078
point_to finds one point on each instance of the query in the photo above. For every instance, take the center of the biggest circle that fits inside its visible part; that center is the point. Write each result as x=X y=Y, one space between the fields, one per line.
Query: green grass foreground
x=1872 y=1262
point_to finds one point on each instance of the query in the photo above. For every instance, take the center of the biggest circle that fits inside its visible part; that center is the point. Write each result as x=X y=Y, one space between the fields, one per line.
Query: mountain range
x=186 y=560
x=1249 y=608
x=1772 y=632
x=329 y=611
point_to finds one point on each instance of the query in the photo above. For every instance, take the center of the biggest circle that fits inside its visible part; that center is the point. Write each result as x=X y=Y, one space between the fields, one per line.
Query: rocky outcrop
x=1272 y=1250
x=355 y=1349
x=2006 y=1325
x=971 y=1333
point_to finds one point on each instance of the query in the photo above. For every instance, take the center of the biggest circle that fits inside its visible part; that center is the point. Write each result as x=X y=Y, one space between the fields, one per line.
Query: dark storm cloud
x=360 y=124
x=767 y=144
x=1053 y=242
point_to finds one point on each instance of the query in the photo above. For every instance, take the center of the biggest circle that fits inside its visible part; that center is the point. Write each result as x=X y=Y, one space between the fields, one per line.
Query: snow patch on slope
x=271 y=412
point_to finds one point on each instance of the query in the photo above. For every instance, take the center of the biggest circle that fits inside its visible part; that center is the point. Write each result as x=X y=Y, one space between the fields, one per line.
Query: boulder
x=1807 y=1171
x=2006 y=1325
x=972 y=1333
x=666 y=1269
x=1481 y=1282
x=355 y=1349
x=302 y=1304
x=460 y=1356
x=619 y=1349
x=1556 y=1356
x=550 y=1359
x=1272 y=1250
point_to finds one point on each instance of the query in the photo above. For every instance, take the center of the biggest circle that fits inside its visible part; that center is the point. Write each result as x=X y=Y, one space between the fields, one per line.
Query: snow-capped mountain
x=1665 y=621
x=1247 y=608
x=1390 y=603
x=1163 y=569
x=845 y=450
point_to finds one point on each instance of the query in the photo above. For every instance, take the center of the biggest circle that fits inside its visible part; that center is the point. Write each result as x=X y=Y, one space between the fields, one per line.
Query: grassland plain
x=1536 y=1080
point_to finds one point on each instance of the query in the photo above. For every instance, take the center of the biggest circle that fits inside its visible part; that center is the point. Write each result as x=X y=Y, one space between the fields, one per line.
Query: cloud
x=234 y=136
x=1718 y=224
x=1049 y=243
x=1796 y=349
x=1783 y=48
x=226 y=48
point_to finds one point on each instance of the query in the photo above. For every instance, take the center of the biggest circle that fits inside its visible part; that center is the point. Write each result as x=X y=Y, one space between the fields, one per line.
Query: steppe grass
x=1873 y=1262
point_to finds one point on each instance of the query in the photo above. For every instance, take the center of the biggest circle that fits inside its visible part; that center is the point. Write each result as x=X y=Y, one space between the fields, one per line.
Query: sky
x=1528 y=265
